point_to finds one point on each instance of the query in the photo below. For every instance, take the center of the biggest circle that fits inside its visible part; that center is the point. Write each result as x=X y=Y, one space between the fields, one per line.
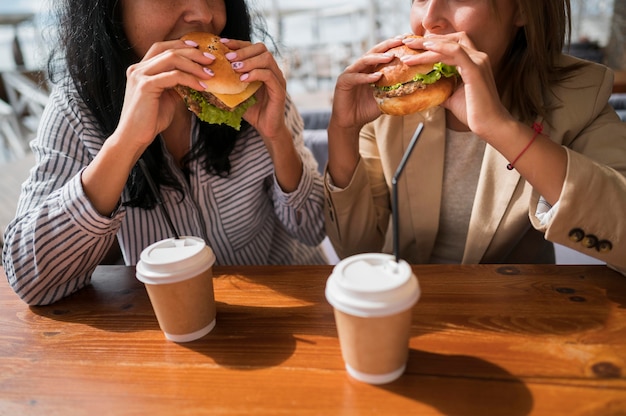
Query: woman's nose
x=433 y=13
x=198 y=11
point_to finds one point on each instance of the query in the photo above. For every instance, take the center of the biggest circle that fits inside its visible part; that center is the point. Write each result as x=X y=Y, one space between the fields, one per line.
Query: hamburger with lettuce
x=403 y=89
x=226 y=98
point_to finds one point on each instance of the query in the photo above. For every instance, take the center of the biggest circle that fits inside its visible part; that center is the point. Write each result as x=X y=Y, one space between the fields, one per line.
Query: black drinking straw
x=157 y=196
x=394 y=189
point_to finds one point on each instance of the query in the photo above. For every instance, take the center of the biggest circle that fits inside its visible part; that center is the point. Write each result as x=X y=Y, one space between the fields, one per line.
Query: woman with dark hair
x=253 y=195
x=526 y=152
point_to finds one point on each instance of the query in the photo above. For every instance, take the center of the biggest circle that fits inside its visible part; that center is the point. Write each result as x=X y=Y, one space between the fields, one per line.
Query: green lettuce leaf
x=214 y=115
x=439 y=70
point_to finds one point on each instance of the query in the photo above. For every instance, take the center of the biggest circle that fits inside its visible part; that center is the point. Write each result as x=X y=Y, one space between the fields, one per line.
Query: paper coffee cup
x=178 y=275
x=372 y=296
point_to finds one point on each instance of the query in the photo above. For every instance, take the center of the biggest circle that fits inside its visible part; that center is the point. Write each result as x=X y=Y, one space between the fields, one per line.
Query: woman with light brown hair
x=525 y=153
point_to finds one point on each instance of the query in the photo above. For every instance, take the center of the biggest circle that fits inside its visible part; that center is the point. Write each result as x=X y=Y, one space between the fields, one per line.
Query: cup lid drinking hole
x=173 y=260
x=372 y=284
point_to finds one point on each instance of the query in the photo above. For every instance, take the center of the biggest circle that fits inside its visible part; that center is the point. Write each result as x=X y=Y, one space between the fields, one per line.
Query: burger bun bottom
x=431 y=95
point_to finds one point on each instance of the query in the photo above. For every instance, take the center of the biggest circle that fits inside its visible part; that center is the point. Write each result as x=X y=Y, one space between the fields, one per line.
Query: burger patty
x=194 y=106
x=405 y=89
x=212 y=99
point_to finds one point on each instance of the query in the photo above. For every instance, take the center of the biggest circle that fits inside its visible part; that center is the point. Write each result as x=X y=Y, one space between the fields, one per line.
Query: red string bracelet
x=538 y=128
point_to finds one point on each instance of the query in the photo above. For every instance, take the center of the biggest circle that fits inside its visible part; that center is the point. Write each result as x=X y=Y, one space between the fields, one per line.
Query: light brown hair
x=530 y=64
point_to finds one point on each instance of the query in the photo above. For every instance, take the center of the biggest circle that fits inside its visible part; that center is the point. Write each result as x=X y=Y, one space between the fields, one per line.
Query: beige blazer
x=591 y=216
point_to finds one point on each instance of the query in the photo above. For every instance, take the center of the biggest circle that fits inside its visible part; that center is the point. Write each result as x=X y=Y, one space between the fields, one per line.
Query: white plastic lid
x=174 y=260
x=372 y=284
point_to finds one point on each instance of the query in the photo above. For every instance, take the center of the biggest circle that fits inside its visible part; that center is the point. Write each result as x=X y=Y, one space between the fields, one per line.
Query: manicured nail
x=209 y=71
x=203 y=85
x=231 y=55
x=191 y=43
x=224 y=40
x=209 y=55
x=244 y=77
x=237 y=65
x=428 y=43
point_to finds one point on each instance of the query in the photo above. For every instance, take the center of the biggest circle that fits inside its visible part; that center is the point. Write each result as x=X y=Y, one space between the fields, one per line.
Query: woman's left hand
x=477 y=95
x=477 y=104
x=255 y=63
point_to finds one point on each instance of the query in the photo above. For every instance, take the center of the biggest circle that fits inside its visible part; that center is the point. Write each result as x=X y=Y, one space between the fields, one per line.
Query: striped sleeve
x=57 y=238
x=301 y=211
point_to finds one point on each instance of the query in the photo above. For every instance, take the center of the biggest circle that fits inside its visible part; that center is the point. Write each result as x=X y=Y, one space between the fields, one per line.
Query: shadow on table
x=248 y=346
x=245 y=337
x=252 y=337
x=113 y=303
x=613 y=289
x=430 y=379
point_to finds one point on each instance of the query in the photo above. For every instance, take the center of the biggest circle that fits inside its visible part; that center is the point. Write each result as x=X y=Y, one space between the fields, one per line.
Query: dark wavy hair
x=94 y=51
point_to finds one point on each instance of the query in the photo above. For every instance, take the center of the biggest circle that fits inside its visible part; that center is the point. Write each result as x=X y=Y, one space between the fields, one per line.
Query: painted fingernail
x=224 y=40
x=428 y=43
x=209 y=55
x=231 y=55
x=244 y=77
x=203 y=85
x=405 y=58
x=209 y=71
x=191 y=43
x=237 y=65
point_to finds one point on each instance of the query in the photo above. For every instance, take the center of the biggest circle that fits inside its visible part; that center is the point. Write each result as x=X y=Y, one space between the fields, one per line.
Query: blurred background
x=312 y=40
x=315 y=40
x=318 y=39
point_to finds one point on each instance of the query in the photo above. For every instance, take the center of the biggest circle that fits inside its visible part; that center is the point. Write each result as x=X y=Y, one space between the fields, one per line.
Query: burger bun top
x=396 y=71
x=226 y=79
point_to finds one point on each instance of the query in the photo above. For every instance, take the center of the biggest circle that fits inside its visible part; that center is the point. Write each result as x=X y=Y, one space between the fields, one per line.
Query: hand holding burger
x=226 y=98
x=404 y=89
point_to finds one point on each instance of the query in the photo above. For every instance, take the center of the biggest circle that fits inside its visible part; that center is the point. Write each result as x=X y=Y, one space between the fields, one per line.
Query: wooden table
x=506 y=340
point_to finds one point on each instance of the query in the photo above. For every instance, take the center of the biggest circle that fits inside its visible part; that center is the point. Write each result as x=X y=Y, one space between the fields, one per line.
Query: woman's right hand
x=150 y=100
x=353 y=100
x=353 y=107
x=150 y=103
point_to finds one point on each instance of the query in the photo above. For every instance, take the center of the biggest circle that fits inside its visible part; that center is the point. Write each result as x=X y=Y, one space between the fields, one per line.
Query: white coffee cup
x=178 y=274
x=373 y=296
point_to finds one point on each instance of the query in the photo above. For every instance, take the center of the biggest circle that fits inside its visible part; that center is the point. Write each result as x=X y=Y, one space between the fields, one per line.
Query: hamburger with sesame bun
x=226 y=98
x=404 y=89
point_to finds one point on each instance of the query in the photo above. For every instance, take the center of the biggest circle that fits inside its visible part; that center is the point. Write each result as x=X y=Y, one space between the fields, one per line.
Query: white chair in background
x=28 y=97
x=10 y=132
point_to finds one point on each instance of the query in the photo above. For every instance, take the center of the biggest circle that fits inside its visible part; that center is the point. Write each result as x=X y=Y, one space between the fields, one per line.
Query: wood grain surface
x=485 y=340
